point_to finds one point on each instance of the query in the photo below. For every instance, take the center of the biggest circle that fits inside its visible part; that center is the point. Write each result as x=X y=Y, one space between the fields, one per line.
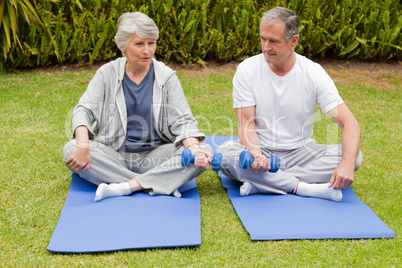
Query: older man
x=274 y=95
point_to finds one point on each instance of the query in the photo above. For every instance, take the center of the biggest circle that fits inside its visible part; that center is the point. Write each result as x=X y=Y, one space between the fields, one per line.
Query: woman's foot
x=110 y=190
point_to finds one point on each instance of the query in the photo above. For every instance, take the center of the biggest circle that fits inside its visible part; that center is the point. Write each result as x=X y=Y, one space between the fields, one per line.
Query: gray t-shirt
x=141 y=134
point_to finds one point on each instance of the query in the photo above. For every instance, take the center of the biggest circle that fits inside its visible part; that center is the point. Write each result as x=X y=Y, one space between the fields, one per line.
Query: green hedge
x=197 y=30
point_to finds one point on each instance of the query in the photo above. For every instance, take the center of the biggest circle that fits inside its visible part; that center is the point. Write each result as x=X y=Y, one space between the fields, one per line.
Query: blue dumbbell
x=246 y=159
x=187 y=158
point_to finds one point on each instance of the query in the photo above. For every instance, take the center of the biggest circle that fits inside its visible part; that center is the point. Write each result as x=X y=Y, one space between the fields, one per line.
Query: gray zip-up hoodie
x=102 y=108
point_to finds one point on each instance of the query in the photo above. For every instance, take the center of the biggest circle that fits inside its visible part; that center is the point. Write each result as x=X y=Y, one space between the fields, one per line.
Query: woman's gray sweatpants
x=312 y=163
x=158 y=170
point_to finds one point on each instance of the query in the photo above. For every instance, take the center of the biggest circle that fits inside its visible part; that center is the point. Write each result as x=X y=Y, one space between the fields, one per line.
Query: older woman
x=133 y=121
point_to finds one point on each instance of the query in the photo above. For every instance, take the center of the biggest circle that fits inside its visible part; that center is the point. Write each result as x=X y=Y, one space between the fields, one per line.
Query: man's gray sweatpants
x=158 y=170
x=312 y=163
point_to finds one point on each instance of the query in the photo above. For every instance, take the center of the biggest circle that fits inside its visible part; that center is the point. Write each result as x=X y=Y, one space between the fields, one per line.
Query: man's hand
x=343 y=176
x=79 y=159
x=260 y=165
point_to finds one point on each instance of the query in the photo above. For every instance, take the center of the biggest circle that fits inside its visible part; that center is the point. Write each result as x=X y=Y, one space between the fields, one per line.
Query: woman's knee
x=68 y=149
x=206 y=147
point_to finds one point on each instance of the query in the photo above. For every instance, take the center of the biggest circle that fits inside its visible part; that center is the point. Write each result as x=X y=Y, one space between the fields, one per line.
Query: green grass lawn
x=35 y=118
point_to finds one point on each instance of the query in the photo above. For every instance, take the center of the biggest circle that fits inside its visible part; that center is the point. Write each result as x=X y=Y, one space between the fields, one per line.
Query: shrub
x=196 y=30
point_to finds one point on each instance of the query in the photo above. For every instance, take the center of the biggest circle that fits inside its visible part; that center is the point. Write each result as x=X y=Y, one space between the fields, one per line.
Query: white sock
x=320 y=190
x=247 y=188
x=177 y=194
x=110 y=190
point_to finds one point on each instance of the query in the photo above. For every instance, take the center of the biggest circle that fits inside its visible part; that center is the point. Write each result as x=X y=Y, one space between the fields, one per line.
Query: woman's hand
x=202 y=158
x=79 y=159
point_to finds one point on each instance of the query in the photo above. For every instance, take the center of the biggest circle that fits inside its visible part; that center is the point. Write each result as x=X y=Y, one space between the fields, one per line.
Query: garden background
x=46 y=69
x=48 y=32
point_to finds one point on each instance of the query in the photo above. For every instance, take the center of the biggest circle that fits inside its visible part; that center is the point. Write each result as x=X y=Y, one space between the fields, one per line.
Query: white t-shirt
x=284 y=104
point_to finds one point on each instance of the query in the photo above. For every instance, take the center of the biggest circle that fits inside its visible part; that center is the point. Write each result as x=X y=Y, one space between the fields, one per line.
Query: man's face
x=274 y=46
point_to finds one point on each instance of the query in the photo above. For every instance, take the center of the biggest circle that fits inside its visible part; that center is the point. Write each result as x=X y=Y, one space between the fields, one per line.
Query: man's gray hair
x=281 y=14
x=134 y=22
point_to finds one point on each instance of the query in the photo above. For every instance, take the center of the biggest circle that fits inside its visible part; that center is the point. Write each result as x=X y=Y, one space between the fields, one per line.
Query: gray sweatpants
x=158 y=171
x=312 y=163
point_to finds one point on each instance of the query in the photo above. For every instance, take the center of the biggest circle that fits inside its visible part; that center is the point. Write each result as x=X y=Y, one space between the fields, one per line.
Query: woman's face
x=139 y=51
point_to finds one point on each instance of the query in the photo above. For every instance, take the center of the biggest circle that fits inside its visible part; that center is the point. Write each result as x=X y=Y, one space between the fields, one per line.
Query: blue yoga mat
x=278 y=217
x=127 y=222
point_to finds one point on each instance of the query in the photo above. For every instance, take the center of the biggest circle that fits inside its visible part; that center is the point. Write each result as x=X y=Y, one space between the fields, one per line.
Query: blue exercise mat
x=278 y=217
x=127 y=222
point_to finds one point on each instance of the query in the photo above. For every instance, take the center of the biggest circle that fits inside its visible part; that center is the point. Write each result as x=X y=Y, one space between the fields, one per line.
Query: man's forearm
x=247 y=131
x=249 y=138
x=351 y=132
x=351 y=142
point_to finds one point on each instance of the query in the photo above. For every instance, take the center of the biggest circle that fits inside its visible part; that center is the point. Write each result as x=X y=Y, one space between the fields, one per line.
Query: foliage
x=364 y=29
x=10 y=12
x=198 y=30
x=68 y=33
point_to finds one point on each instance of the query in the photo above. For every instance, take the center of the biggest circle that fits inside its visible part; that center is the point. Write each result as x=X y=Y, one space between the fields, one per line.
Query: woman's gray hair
x=287 y=16
x=134 y=22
